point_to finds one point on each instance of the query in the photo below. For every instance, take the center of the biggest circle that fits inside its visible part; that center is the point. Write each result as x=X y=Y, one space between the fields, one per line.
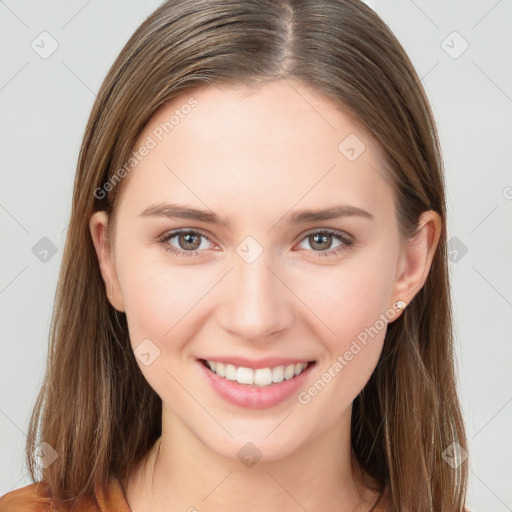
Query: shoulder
x=31 y=498
x=37 y=497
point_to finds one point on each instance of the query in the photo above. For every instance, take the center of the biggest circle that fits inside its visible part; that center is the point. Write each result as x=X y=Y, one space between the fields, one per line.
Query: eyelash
x=346 y=241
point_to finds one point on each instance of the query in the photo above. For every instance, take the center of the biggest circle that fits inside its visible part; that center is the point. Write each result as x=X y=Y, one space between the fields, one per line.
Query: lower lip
x=253 y=397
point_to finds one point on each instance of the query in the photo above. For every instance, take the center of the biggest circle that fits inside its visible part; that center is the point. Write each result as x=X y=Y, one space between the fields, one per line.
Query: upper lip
x=266 y=362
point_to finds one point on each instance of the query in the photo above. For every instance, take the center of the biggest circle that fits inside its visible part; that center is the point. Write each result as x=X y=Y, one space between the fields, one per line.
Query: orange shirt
x=36 y=498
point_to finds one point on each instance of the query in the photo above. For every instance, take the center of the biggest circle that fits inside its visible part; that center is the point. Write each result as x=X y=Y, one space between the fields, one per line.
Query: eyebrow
x=173 y=211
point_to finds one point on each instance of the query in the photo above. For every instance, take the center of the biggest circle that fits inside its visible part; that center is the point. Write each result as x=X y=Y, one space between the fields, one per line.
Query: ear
x=417 y=257
x=98 y=225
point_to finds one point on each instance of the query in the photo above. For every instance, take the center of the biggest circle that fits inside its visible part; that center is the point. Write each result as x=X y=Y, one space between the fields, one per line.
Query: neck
x=181 y=473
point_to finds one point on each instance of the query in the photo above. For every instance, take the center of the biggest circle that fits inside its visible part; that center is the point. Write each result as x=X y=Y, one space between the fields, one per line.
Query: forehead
x=267 y=147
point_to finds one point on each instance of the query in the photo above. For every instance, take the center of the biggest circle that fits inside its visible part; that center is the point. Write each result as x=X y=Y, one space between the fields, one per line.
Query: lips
x=251 y=384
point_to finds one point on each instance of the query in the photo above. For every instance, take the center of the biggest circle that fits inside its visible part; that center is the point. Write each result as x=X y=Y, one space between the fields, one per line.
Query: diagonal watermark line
x=76 y=14
x=216 y=487
x=308 y=103
x=13 y=422
x=15 y=486
x=78 y=77
x=492 y=286
x=382 y=174
x=425 y=14
x=196 y=303
x=491 y=212
x=305 y=194
x=492 y=81
x=14 y=76
x=497 y=497
x=428 y=72
x=300 y=299
x=3 y=3
x=485 y=15
x=194 y=194
x=13 y=217
x=501 y=409
x=13 y=279
x=198 y=402
x=280 y=423
x=287 y=492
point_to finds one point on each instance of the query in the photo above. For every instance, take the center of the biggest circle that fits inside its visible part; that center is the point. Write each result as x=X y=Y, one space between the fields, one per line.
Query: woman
x=253 y=309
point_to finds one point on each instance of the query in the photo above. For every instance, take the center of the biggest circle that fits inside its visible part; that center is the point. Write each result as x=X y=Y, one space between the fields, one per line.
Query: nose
x=254 y=304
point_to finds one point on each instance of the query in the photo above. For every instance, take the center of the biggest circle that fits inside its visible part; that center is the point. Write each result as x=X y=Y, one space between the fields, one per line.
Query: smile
x=260 y=377
x=255 y=384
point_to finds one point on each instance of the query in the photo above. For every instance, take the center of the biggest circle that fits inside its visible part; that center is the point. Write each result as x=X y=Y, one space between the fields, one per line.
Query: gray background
x=44 y=105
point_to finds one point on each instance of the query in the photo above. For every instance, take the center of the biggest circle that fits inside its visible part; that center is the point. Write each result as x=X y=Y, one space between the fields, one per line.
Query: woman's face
x=289 y=255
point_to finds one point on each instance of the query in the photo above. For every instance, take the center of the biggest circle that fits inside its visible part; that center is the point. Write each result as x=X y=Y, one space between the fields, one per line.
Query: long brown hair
x=95 y=408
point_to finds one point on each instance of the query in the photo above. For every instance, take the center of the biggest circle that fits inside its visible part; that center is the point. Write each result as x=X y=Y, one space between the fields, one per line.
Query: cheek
x=351 y=355
x=350 y=297
x=353 y=301
x=160 y=299
x=163 y=305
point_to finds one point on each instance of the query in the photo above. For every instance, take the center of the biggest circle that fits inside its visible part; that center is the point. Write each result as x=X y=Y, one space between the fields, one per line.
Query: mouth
x=256 y=377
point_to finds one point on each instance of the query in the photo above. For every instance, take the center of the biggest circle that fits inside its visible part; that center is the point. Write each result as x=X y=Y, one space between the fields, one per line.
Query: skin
x=254 y=156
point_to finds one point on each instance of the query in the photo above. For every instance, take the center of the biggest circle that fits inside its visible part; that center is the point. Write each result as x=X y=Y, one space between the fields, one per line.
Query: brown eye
x=320 y=241
x=185 y=242
x=326 y=242
x=189 y=241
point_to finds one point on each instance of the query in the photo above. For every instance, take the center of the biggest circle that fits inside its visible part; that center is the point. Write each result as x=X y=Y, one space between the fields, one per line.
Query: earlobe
x=417 y=258
x=98 y=226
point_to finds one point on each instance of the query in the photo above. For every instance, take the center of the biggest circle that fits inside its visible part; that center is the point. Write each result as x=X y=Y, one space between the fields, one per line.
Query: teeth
x=289 y=372
x=261 y=377
x=230 y=372
x=278 y=374
x=220 y=369
x=244 y=375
